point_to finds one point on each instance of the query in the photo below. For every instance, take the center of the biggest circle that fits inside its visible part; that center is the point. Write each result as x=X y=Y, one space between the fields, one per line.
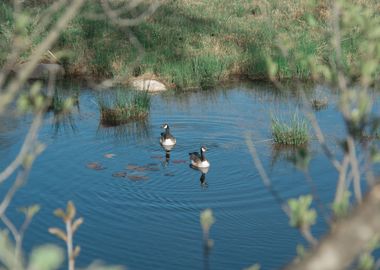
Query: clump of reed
x=293 y=132
x=123 y=106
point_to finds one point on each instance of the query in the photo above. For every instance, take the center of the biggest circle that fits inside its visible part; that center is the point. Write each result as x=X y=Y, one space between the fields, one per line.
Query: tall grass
x=292 y=132
x=123 y=106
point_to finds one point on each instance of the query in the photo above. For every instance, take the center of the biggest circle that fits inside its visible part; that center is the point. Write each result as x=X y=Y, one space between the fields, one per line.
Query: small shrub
x=293 y=133
x=123 y=106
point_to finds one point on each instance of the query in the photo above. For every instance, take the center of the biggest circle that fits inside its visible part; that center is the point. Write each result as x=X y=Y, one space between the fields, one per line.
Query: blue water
x=154 y=222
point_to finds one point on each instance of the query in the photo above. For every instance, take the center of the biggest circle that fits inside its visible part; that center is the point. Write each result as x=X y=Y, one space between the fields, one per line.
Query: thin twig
x=355 y=168
x=342 y=185
x=263 y=175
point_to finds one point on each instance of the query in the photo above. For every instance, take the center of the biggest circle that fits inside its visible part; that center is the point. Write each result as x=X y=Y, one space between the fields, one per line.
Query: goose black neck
x=202 y=155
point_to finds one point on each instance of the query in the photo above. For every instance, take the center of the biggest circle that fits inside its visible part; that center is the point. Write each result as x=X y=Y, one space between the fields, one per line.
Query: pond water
x=149 y=217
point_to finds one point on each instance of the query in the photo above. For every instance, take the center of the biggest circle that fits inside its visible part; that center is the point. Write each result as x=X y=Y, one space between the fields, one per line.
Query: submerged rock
x=95 y=166
x=137 y=177
x=120 y=174
x=148 y=85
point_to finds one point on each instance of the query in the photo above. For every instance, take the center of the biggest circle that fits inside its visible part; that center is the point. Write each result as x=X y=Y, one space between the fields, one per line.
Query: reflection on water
x=63 y=122
x=136 y=131
x=135 y=194
x=167 y=149
x=263 y=92
x=8 y=124
x=62 y=119
x=203 y=172
x=287 y=153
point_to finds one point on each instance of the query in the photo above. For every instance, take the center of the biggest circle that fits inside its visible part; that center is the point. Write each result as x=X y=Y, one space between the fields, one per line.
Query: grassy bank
x=199 y=43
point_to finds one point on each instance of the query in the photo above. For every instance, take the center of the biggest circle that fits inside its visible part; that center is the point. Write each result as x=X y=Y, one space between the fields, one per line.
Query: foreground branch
x=347 y=239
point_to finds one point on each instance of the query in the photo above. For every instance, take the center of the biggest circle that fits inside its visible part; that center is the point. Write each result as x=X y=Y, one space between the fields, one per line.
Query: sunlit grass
x=198 y=44
x=123 y=106
x=292 y=132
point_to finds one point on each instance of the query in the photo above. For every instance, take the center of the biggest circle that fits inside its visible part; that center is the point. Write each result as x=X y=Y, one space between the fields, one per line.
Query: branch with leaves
x=72 y=226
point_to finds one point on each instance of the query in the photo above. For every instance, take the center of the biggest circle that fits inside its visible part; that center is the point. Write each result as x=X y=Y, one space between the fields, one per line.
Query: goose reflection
x=203 y=171
x=167 y=149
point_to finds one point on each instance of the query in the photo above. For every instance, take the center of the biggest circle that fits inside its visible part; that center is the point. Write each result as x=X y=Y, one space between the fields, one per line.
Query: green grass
x=292 y=132
x=198 y=44
x=123 y=106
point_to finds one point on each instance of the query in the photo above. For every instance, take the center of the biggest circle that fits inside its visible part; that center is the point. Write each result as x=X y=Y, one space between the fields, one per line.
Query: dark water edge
x=154 y=222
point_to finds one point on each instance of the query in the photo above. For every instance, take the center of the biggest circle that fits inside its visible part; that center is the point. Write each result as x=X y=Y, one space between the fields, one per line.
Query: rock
x=148 y=85
x=41 y=71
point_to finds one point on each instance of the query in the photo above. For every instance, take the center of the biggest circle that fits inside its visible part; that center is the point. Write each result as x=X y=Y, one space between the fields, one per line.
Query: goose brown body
x=198 y=159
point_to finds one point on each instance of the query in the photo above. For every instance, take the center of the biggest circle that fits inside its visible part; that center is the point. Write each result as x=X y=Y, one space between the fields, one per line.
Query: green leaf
x=366 y=261
x=28 y=160
x=22 y=21
x=59 y=233
x=76 y=251
x=207 y=219
x=301 y=251
x=300 y=213
x=77 y=223
x=272 y=68
x=60 y=213
x=311 y=20
x=46 y=257
x=369 y=67
x=30 y=211
x=23 y=103
x=7 y=255
x=98 y=266
x=253 y=267
x=374 y=32
x=341 y=208
x=70 y=210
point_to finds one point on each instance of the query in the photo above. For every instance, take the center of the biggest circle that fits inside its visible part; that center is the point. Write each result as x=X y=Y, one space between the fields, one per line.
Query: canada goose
x=167 y=139
x=199 y=160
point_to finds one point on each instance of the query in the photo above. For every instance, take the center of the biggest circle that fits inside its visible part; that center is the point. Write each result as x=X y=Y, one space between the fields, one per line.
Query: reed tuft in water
x=293 y=132
x=123 y=106
x=319 y=103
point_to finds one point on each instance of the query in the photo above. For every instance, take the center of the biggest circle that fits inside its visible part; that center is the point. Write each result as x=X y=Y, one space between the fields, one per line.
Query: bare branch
x=12 y=228
x=318 y=132
x=354 y=168
x=341 y=186
x=27 y=145
x=21 y=178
